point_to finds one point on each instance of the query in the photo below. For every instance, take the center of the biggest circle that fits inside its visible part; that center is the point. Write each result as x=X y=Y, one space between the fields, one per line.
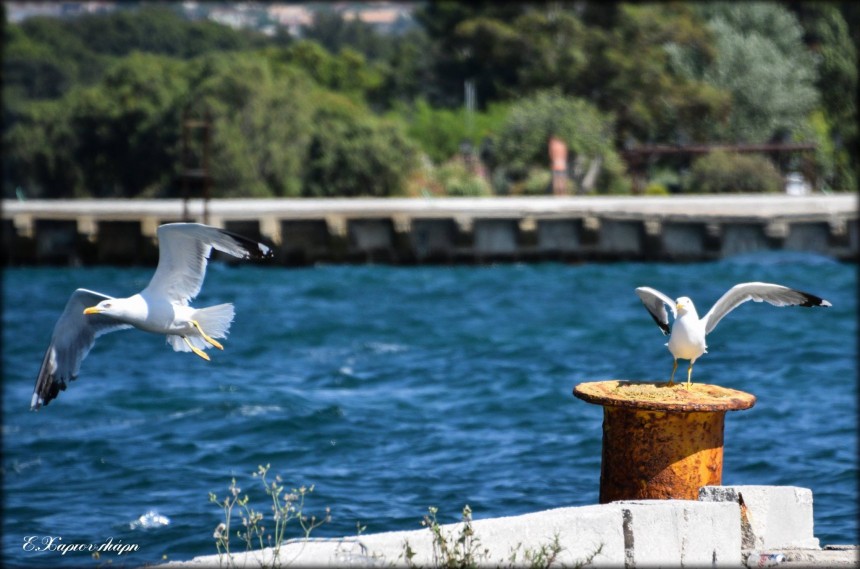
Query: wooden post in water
x=661 y=442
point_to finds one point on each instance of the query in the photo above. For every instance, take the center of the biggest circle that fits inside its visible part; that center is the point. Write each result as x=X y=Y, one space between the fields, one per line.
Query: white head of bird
x=684 y=305
x=121 y=309
x=110 y=307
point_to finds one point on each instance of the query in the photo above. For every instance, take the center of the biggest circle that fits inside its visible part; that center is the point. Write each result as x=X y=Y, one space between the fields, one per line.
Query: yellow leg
x=205 y=336
x=689 y=374
x=672 y=379
x=197 y=351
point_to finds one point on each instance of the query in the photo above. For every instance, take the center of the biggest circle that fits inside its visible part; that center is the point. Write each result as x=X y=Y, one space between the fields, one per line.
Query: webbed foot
x=206 y=336
x=196 y=350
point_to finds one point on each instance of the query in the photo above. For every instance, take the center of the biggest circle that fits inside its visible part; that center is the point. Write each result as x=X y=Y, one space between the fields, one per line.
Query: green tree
x=725 y=172
x=515 y=54
x=522 y=142
x=347 y=72
x=406 y=72
x=762 y=61
x=554 y=45
x=38 y=154
x=262 y=124
x=127 y=126
x=633 y=74
x=334 y=33
x=397 y=65
x=456 y=45
x=826 y=34
x=851 y=13
x=43 y=59
x=353 y=153
x=440 y=132
x=624 y=64
x=114 y=139
x=158 y=29
x=490 y=54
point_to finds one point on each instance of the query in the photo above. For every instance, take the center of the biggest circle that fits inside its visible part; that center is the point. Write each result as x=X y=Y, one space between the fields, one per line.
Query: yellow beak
x=677 y=306
x=92 y=310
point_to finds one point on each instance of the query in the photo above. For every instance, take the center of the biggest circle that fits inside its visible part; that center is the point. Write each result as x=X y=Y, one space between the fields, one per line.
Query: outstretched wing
x=183 y=250
x=777 y=295
x=656 y=303
x=74 y=335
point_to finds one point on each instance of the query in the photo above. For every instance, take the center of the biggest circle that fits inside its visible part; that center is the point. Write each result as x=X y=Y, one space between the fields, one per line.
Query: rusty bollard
x=661 y=442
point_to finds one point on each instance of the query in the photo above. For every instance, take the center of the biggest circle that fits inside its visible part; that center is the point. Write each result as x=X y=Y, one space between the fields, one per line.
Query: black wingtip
x=663 y=327
x=47 y=384
x=810 y=300
x=253 y=249
x=43 y=396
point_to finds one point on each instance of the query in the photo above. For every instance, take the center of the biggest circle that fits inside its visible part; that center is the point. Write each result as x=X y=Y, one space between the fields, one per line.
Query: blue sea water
x=395 y=389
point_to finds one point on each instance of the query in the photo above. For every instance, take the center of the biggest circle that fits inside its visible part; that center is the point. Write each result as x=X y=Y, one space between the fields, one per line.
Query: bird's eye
x=107 y=305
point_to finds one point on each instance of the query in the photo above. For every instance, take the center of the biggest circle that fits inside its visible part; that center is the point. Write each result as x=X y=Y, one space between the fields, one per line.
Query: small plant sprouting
x=462 y=550
x=538 y=558
x=285 y=507
x=546 y=556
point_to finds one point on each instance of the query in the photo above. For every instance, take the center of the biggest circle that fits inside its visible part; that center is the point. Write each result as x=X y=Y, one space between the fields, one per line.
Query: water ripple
x=394 y=389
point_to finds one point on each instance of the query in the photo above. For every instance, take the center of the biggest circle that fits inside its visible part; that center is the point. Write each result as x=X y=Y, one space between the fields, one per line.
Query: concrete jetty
x=728 y=526
x=444 y=230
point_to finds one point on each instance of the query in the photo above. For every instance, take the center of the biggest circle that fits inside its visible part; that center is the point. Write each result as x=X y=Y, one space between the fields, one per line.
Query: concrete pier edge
x=445 y=230
x=770 y=524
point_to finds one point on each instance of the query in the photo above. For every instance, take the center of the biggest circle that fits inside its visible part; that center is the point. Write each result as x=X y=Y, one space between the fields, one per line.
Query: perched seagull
x=161 y=308
x=687 y=339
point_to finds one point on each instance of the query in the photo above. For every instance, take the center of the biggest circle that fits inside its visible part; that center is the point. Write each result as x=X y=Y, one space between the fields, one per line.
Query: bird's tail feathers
x=215 y=320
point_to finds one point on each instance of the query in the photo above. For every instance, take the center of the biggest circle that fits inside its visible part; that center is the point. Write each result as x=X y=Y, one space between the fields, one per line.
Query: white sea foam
x=385 y=348
x=150 y=520
x=18 y=466
x=187 y=413
x=254 y=410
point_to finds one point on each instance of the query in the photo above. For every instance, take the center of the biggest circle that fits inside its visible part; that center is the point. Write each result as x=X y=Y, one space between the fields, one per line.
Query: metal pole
x=470 y=101
x=207 y=179
x=185 y=164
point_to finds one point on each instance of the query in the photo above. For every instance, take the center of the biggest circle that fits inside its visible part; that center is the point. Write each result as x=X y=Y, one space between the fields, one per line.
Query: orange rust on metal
x=661 y=442
x=658 y=396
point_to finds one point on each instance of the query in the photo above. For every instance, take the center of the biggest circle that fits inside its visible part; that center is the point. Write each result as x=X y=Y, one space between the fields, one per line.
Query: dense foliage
x=722 y=172
x=586 y=132
x=93 y=105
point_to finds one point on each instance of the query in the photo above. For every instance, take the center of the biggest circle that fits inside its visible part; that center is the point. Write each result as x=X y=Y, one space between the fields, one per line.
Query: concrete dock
x=728 y=526
x=444 y=230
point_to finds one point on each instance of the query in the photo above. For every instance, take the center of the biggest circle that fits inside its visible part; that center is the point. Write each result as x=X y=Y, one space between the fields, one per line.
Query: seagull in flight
x=688 y=331
x=161 y=308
